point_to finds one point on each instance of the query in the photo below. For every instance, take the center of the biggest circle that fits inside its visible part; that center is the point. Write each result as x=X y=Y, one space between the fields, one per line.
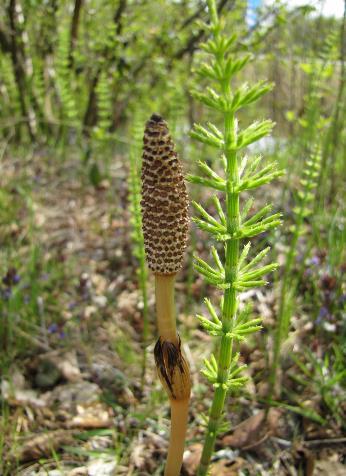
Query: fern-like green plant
x=64 y=77
x=232 y=273
x=101 y=135
x=176 y=111
x=327 y=377
x=319 y=72
x=303 y=209
x=10 y=104
x=134 y=188
x=104 y=108
x=38 y=83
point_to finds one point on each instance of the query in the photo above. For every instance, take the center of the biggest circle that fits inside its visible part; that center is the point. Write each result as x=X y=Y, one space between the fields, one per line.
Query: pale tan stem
x=173 y=371
x=179 y=417
x=165 y=308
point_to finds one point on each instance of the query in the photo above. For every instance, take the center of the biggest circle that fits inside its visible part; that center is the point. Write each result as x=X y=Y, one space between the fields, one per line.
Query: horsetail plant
x=64 y=76
x=104 y=108
x=303 y=209
x=134 y=188
x=233 y=274
x=165 y=226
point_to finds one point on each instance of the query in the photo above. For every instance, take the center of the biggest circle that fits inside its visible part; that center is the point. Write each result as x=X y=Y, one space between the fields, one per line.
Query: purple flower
x=315 y=260
x=53 y=328
x=11 y=278
x=342 y=300
x=322 y=315
x=6 y=294
x=57 y=329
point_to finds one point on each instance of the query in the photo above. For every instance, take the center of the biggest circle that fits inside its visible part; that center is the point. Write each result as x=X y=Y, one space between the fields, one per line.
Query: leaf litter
x=82 y=371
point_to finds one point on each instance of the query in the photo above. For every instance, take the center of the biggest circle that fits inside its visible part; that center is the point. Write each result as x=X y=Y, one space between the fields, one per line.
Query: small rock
x=89 y=311
x=108 y=377
x=68 y=396
x=101 y=467
x=329 y=327
x=47 y=374
x=100 y=301
x=57 y=365
x=81 y=471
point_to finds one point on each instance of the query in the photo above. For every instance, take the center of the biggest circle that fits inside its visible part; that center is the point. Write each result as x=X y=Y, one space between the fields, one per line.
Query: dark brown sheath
x=173 y=369
x=164 y=200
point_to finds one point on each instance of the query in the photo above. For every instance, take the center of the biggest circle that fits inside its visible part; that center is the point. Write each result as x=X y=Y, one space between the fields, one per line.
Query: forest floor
x=72 y=399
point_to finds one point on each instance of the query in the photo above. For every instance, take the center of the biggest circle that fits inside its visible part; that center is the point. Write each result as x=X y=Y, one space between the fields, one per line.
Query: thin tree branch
x=191 y=45
x=74 y=28
x=194 y=16
x=89 y=116
x=5 y=42
x=18 y=69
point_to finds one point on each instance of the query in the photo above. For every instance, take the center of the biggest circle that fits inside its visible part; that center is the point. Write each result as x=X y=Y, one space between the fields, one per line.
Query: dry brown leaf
x=151 y=446
x=42 y=445
x=127 y=303
x=192 y=455
x=138 y=456
x=253 y=431
x=81 y=471
x=67 y=363
x=92 y=416
x=224 y=467
x=245 y=432
x=20 y=396
x=329 y=468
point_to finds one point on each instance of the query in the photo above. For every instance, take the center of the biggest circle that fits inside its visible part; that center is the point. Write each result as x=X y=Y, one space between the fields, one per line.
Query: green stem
x=229 y=311
x=286 y=288
x=222 y=98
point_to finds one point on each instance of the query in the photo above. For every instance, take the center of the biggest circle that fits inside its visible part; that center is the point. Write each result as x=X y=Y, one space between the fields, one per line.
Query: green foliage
x=9 y=106
x=104 y=108
x=95 y=175
x=319 y=71
x=325 y=377
x=139 y=56
x=233 y=273
x=302 y=210
x=102 y=140
x=308 y=184
x=64 y=65
x=28 y=282
x=176 y=109
x=24 y=294
x=134 y=188
x=64 y=77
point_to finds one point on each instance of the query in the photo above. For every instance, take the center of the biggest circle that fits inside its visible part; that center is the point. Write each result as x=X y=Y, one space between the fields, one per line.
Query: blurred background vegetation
x=78 y=80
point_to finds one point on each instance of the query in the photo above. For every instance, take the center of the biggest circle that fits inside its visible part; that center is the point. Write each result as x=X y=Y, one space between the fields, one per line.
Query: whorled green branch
x=232 y=272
